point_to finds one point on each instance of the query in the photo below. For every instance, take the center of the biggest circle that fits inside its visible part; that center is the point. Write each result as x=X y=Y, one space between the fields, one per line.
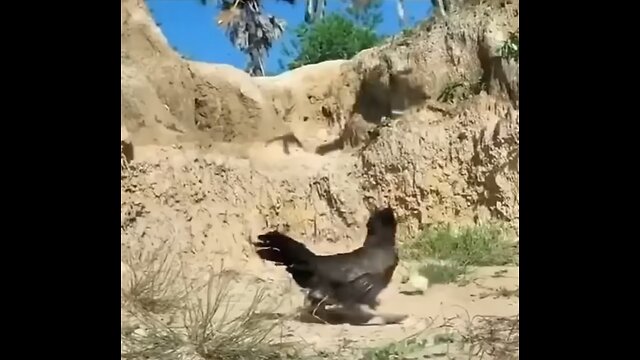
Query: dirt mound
x=428 y=123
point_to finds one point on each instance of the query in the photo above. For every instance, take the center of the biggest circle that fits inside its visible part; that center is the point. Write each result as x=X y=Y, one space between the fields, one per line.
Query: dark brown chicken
x=347 y=279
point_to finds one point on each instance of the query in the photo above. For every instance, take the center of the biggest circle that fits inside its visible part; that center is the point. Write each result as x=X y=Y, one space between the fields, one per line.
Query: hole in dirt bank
x=126 y=148
x=376 y=99
x=372 y=103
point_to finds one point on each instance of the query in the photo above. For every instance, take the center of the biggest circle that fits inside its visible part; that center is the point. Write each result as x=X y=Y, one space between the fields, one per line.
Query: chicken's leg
x=311 y=301
x=320 y=305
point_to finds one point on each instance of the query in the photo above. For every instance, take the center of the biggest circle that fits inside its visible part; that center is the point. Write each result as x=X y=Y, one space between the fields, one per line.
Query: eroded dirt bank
x=215 y=157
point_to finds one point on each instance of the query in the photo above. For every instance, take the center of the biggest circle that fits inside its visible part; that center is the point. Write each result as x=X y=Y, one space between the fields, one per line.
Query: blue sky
x=190 y=27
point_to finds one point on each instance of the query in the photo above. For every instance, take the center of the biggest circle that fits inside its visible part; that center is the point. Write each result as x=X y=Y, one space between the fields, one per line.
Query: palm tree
x=253 y=32
x=250 y=30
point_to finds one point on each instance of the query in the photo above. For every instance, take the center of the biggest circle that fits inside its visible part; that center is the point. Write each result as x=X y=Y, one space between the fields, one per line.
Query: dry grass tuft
x=494 y=337
x=216 y=334
x=155 y=281
x=161 y=320
x=481 y=337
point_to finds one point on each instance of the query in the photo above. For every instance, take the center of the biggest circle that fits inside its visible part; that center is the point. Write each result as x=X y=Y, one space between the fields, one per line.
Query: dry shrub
x=216 y=334
x=481 y=337
x=494 y=337
x=162 y=320
x=156 y=279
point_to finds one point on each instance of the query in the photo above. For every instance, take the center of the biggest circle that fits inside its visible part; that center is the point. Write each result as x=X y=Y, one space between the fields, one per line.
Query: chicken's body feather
x=351 y=278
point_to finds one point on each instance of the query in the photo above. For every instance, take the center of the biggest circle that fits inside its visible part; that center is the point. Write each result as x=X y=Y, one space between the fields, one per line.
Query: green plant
x=477 y=245
x=331 y=38
x=395 y=350
x=443 y=273
x=510 y=49
x=408 y=32
x=414 y=347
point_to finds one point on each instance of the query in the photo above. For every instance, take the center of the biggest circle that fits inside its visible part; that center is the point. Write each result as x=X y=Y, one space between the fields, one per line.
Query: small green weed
x=442 y=273
x=511 y=48
x=477 y=245
x=397 y=350
x=408 y=32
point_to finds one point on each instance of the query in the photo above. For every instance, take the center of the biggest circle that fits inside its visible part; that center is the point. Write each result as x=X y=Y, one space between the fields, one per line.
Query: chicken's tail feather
x=281 y=249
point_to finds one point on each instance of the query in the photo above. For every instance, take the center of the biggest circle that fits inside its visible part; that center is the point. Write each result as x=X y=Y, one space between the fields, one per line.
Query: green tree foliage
x=511 y=48
x=331 y=38
x=336 y=36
